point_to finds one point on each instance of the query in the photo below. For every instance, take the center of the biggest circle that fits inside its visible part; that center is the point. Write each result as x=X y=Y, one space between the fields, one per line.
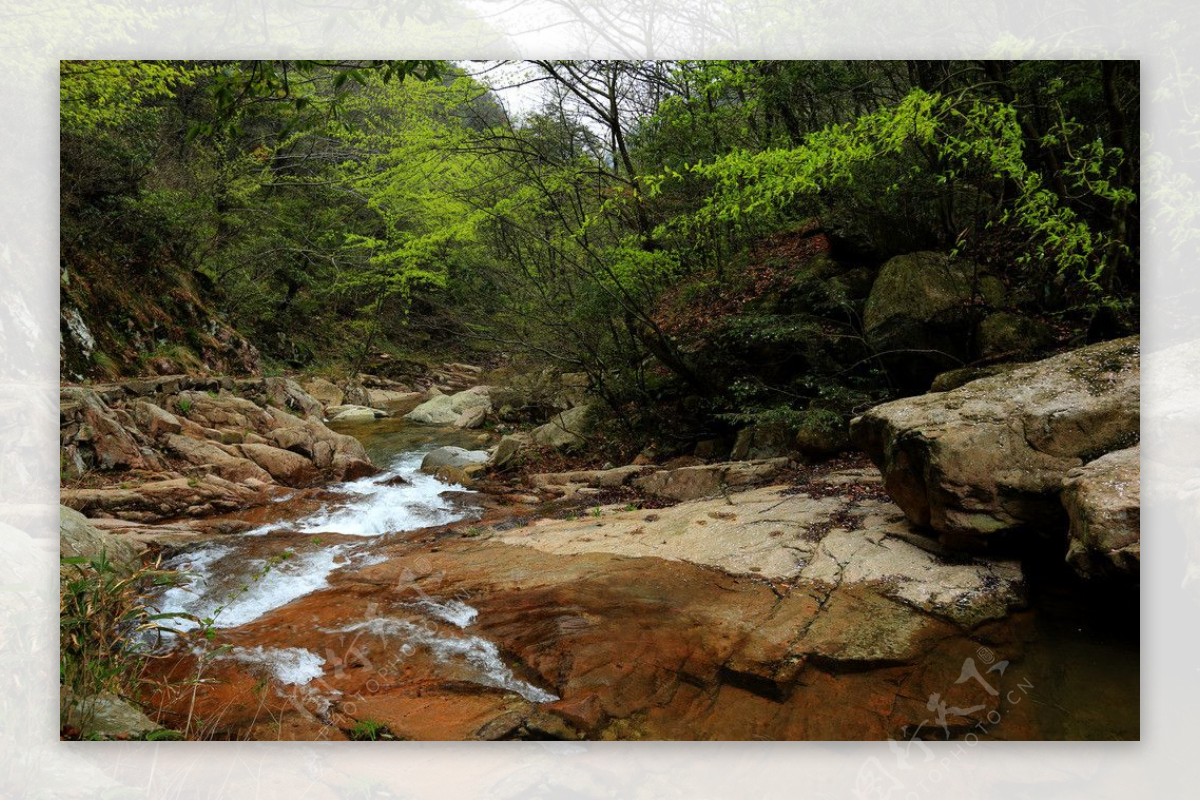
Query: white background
x=34 y=35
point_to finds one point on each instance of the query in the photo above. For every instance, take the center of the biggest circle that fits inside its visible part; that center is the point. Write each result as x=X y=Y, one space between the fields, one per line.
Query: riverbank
x=706 y=600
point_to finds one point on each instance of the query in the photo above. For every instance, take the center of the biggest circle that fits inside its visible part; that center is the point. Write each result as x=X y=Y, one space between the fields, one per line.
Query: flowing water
x=235 y=582
x=1079 y=646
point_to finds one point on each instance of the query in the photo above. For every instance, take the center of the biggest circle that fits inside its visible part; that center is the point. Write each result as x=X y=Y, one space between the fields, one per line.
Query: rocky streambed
x=744 y=600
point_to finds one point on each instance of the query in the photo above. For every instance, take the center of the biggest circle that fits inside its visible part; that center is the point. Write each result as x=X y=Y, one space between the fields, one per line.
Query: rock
x=953 y=379
x=169 y=535
x=93 y=429
x=763 y=441
x=338 y=456
x=354 y=414
x=472 y=418
x=394 y=401
x=989 y=457
x=445 y=410
x=108 y=716
x=284 y=466
x=154 y=420
x=774 y=614
x=158 y=500
x=508 y=451
x=565 y=431
x=222 y=411
x=1103 y=503
x=920 y=314
x=702 y=481
x=460 y=476
x=78 y=537
x=1005 y=333
x=284 y=393
x=324 y=391
x=604 y=479
x=222 y=461
x=600 y=479
x=822 y=434
x=450 y=456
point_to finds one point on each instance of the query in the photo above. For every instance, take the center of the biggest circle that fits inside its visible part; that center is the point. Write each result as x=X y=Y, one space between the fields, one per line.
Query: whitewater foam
x=247 y=592
x=296 y=666
x=400 y=499
x=482 y=656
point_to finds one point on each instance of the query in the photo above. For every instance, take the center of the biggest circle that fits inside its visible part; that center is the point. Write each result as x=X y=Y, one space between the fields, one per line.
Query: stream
x=233 y=583
x=354 y=608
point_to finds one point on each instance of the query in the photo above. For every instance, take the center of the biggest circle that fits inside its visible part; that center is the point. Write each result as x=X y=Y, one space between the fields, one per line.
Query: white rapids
x=225 y=587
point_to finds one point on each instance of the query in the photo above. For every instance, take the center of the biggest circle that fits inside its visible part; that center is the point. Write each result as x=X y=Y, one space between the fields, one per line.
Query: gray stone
x=354 y=414
x=990 y=456
x=508 y=451
x=445 y=410
x=1008 y=334
x=567 y=430
x=108 y=716
x=325 y=392
x=450 y=456
x=921 y=313
x=78 y=537
x=1103 y=502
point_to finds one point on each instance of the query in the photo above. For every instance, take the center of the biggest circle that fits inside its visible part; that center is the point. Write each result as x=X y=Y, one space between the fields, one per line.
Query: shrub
x=368 y=729
x=107 y=628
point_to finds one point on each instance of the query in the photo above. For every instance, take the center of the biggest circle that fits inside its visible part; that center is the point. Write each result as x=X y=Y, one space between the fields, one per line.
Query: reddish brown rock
x=285 y=467
x=222 y=461
x=157 y=500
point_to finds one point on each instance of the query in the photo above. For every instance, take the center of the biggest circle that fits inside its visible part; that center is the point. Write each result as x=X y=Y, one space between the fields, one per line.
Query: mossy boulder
x=822 y=434
x=922 y=312
x=1005 y=333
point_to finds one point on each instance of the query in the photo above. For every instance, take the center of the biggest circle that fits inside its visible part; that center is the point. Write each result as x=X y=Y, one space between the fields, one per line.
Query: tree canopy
x=329 y=209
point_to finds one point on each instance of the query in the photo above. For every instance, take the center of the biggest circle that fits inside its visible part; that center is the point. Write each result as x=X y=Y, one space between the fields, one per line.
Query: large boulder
x=284 y=393
x=450 y=456
x=222 y=410
x=508 y=451
x=446 y=410
x=220 y=458
x=93 y=435
x=337 y=456
x=154 y=420
x=708 y=480
x=567 y=430
x=1103 y=501
x=284 y=466
x=324 y=391
x=921 y=314
x=394 y=401
x=107 y=716
x=79 y=538
x=354 y=414
x=1008 y=334
x=989 y=457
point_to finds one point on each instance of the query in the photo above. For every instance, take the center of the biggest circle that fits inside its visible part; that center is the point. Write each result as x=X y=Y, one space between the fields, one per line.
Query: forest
x=600 y=400
x=698 y=238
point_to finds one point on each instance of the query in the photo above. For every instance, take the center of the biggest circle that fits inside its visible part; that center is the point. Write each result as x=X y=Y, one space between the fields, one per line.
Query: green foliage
x=974 y=140
x=368 y=729
x=331 y=210
x=107 y=626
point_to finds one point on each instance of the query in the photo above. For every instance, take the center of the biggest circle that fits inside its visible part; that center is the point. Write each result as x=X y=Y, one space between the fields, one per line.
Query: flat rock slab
x=773 y=533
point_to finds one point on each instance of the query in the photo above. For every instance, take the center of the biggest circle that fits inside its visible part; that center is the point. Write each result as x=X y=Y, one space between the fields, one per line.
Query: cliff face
x=142 y=317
